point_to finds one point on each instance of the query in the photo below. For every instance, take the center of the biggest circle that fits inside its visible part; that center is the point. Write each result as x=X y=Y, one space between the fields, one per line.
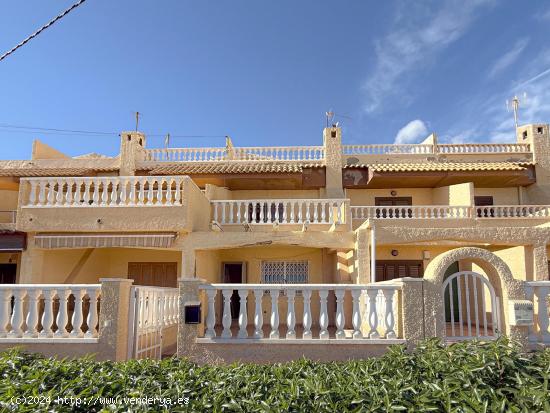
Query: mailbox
x=520 y=312
x=192 y=312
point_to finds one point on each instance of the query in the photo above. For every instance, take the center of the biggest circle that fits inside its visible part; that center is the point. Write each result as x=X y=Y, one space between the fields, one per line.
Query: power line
x=36 y=33
x=36 y=129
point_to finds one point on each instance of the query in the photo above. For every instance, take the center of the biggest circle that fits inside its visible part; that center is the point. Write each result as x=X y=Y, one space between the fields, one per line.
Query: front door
x=157 y=274
x=8 y=273
x=233 y=273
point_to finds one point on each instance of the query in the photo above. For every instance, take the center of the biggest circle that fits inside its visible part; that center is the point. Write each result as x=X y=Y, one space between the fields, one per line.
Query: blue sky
x=265 y=73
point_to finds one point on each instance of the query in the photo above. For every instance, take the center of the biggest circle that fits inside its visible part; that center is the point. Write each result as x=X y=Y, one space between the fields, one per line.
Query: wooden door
x=391 y=203
x=157 y=274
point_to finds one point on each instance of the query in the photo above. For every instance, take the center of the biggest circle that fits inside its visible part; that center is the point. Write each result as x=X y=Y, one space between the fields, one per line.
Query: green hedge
x=474 y=377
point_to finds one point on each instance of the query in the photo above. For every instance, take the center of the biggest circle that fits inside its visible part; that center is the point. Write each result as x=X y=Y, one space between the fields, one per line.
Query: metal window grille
x=285 y=272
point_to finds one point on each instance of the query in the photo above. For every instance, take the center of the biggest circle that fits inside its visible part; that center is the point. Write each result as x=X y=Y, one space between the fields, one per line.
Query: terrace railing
x=118 y=191
x=411 y=212
x=372 y=304
x=513 y=211
x=253 y=153
x=423 y=149
x=281 y=211
x=60 y=311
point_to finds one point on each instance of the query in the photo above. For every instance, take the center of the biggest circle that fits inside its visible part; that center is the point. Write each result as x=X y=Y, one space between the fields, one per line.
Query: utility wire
x=34 y=129
x=36 y=33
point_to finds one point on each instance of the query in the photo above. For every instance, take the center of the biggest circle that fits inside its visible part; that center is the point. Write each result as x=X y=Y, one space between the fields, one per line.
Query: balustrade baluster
x=323 y=315
x=211 y=315
x=274 y=293
x=542 y=312
x=17 y=316
x=48 y=316
x=356 y=314
x=60 y=194
x=77 y=317
x=243 y=313
x=92 y=313
x=373 y=314
x=307 y=314
x=258 y=313
x=32 y=314
x=340 y=318
x=62 y=315
x=226 y=318
x=291 y=315
x=389 y=314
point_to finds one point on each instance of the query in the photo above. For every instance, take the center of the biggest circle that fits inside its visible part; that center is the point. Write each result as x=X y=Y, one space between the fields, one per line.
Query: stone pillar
x=332 y=141
x=187 y=333
x=538 y=137
x=188 y=258
x=114 y=317
x=131 y=150
x=540 y=263
x=411 y=309
x=362 y=260
x=31 y=269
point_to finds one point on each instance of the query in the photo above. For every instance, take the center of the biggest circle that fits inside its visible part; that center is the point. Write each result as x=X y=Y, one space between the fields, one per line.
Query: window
x=388 y=270
x=285 y=272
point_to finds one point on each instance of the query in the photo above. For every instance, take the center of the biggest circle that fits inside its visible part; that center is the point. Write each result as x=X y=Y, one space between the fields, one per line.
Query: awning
x=12 y=241
x=111 y=240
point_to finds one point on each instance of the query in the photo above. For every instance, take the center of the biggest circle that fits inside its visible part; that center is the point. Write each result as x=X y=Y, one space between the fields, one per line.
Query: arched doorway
x=473 y=309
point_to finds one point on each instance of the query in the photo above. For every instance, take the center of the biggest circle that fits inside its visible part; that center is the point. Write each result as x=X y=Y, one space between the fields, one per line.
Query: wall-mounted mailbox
x=520 y=312
x=192 y=312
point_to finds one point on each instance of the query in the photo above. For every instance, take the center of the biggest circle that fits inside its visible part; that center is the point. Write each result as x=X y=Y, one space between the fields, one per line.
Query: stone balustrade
x=111 y=191
x=259 y=153
x=539 y=293
x=424 y=149
x=60 y=311
x=279 y=211
x=411 y=212
x=373 y=311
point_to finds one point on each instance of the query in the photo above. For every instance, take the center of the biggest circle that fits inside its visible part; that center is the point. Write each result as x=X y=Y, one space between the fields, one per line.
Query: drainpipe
x=373 y=254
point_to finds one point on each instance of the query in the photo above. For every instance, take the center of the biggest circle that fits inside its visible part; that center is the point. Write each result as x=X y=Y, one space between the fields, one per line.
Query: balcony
x=439 y=149
x=127 y=203
x=287 y=214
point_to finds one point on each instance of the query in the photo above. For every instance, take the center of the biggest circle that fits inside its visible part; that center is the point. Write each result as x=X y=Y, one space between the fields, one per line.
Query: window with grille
x=285 y=272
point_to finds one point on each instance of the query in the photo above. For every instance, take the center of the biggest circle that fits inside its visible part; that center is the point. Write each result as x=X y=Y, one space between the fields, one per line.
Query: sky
x=265 y=73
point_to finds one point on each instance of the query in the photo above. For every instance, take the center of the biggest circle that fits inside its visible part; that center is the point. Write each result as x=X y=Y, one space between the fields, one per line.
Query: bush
x=465 y=377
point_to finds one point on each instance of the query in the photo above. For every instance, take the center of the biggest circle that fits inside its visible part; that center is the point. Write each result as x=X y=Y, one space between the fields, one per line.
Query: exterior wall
x=459 y=194
x=87 y=266
x=8 y=199
x=274 y=194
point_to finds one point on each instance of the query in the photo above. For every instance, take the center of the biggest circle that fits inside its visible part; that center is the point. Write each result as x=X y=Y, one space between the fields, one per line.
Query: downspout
x=373 y=254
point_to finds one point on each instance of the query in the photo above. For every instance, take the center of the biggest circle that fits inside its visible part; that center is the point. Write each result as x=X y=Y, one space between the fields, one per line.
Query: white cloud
x=508 y=58
x=411 y=132
x=414 y=40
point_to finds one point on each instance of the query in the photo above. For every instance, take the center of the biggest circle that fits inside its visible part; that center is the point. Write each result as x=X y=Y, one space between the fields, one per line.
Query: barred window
x=285 y=272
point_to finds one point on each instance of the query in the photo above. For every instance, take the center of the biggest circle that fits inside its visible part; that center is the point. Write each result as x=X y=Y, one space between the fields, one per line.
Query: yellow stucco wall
x=420 y=196
x=501 y=196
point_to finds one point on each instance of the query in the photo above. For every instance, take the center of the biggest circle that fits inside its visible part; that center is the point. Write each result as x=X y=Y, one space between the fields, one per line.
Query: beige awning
x=111 y=240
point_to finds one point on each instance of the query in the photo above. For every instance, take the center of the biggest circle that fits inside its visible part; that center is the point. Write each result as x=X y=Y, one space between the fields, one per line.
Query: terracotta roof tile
x=232 y=167
x=442 y=166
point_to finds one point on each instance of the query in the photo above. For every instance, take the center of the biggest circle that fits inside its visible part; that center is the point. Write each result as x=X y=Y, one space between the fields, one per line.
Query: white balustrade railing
x=373 y=311
x=8 y=217
x=281 y=211
x=513 y=211
x=64 y=311
x=387 y=149
x=186 y=154
x=483 y=148
x=117 y=191
x=539 y=293
x=252 y=153
x=280 y=153
x=411 y=212
x=424 y=149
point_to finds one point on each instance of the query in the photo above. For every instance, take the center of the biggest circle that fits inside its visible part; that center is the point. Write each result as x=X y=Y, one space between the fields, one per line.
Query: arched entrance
x=473 y=309
x=493 y=269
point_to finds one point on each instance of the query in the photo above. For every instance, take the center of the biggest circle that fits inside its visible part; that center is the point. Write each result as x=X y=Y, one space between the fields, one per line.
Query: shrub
x=464 y=377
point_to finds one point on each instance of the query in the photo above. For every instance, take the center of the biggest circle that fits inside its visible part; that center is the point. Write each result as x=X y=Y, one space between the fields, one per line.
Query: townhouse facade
x=272 y=253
